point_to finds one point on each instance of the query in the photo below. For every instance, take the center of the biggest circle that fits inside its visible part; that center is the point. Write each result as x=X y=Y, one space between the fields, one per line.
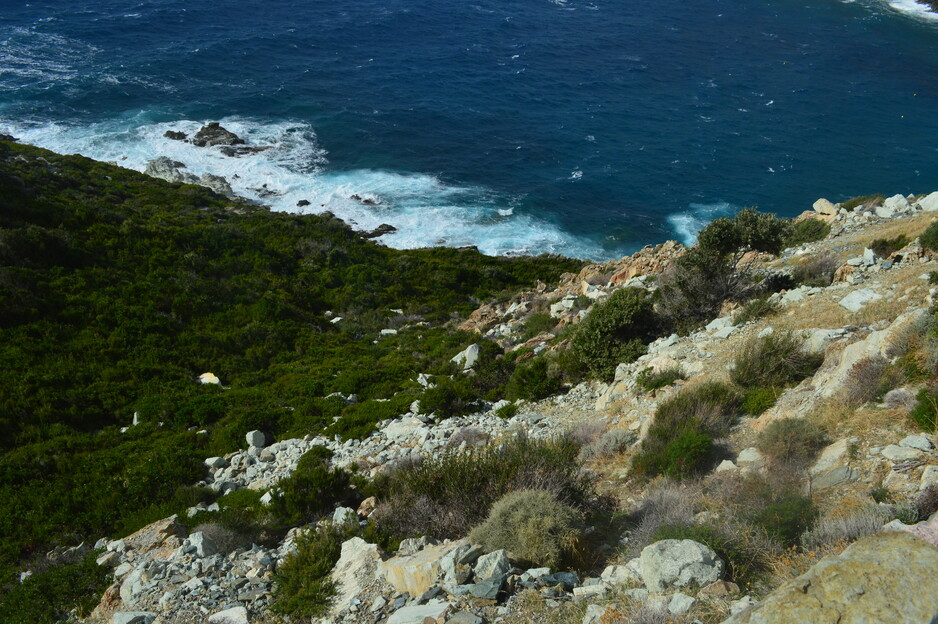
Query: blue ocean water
x=584 y=127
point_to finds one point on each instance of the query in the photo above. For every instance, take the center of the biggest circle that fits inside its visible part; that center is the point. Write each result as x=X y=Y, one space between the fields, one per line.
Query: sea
x=588 y=128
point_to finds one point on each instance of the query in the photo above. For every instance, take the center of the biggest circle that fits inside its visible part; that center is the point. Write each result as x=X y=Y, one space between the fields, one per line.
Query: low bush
x=531 y=380
x=863 y=201
x=757 y=400
x=610 y=443
x=536 y=527
x=755 y=309
x=679 y=442
x=448 y=397
x=226 y=540
x=926 y=503
x=885 y=247
x=791 y=442
x=50 y=595
x=303 y=587
x=471 y=436
x=666 y=503
x=844 y=528
x=774 y=361
x=506 y=411
x=649 y=380
x=925 y=413
x=312 y=490
x=806 y=231
x=929 y=238
x=538 y=323
x=787 y=516
x=818 y=272
x=449 y=493
x=864 y=382
x=616 y=330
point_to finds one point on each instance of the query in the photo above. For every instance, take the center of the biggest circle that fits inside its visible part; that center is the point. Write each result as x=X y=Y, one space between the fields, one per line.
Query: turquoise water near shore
x=589 y=128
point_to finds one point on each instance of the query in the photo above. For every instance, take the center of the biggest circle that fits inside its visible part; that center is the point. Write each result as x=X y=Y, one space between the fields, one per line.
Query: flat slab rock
x=418 y=613
x=881 y=578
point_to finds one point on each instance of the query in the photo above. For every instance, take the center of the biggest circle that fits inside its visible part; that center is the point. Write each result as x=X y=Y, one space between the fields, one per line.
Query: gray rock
x=455 y=564
x=487 y=589
x=468 y=357
x=859 y=299
x=170 y=170
x=824 y=207
x=896 y=203
x=869 y=257
x=344 y=515
x=234 y=615
x=675 y=564
x=900 y=397
x=681 y=603
x=569 y=580
x=929 y=477
x=413 y=545
x=465 y=617
x=750 y=457
x=899 y=454
x=929 y=203
x=418 y=613
x=617 y=574
x=256 y=439
x=133 y=617
x=834 y=477
x=919 y=442
x=216 y=462
x=493 y=564
x=203 y=545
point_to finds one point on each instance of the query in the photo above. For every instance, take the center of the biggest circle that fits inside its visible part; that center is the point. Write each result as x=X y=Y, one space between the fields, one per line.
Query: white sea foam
x=425 y=210
x=687 y=225
x=29 y=57
x=913 y=8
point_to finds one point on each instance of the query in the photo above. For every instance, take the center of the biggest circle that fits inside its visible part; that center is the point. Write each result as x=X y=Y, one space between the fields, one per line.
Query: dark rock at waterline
x=175 y=135
x=368 y=201
x=214 y=134
x=263 y=191
x=381 y=230
x=302 y=202
x=243 y=150
x=7 y=137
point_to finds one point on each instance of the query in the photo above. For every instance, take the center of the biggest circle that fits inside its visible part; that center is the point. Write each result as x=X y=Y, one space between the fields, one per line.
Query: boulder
x=491 y=565
x=824 y=207
x=919 y=442
x=344 y=515
x=215 y=134
x=467 y=358
x=133 y=617
x=170 y=170
x=929 y=203
x=175 y=135
x=235 y=615
x=256 y=439
x=417 y=614
x=356 y=569
x=871 y=581
x=415 y=574
x=899 y=454
x=204 y=546
x=858 y=299
x=456 y=564
x=217 y=183
x=675 y=564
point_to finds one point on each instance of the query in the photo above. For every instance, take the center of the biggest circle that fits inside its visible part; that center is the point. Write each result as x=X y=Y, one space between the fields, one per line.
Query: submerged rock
x=214 y=134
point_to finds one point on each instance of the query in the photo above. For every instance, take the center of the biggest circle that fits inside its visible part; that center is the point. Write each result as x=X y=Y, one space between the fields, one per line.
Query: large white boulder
x=675 y=564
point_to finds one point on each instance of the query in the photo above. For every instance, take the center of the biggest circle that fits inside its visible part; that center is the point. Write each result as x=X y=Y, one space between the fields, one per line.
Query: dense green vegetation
x=117 y=291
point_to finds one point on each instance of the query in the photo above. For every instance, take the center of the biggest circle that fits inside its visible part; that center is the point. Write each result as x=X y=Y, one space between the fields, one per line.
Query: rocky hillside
x=742 y=431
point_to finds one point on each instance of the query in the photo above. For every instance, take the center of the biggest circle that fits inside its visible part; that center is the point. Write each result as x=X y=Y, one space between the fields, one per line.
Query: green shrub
x=538 y=323
x=49 y=595
x=531 y=380
x=447 y=494
x=532 y=524
x=748 y=230
x=806 y=231
x=884 y=247
x=777 y=360
x=816 y=272
x=679 y=442
x=303 y=587
x=611 y=442
x=863 y=201
x=788 y=517
x=312 y=490
x=925 y=413
x=507 y=411
x=929 y=238
x=616 y=330
x=448 y=397
x=757 y=400
x=649 y=380
x=755 y=309
x=791 y=441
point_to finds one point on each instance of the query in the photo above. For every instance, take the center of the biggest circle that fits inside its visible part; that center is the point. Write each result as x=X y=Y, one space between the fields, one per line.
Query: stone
x=870 y=581
x=216 y=462
x=858 y=299
x=675 y=564
x=256 y=439
x=569 y=580
x=487 y=589
x=617 y=575
x=869 y=257
x=898 y=454
x=218 y=184
x=455 y=565
x=896 y=203
x=749 y=457
x=413 y=545
x=133 y=617
x=594 y=614
x=726 y=465
x=209 y=378
x=418 y=613
x=131 y=586
x=919 y=442
x=492 y=564
x=215 y=134
x=356 y=569
x=415 y=574
x=929 y=477
x=900 y=398
x=681 y=603
x=344 y=515
x=590 y=591
x=234 y=615
x=834 y=477
x=464 y=617
x=824 y=207
x=718 y=589
x=929 y=203
x=833 y=455
x=724 y=333
x=467 y=358
x=204 y=546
